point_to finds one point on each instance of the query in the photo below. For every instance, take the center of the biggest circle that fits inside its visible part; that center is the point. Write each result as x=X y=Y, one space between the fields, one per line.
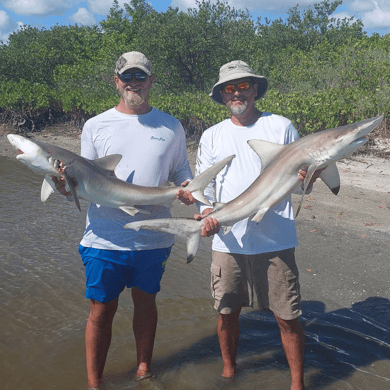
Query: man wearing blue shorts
x=153 y=149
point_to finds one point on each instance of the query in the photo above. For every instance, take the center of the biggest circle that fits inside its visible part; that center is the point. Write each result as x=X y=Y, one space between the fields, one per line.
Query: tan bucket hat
x=237 y=70
x=133 y=59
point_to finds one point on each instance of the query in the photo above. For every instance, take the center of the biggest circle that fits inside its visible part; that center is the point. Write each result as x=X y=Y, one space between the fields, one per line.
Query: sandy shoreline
x=363 y=201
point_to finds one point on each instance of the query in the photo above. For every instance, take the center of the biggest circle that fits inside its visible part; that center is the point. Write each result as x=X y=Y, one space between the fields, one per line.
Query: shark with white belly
x=94 y=180
x=277 y=180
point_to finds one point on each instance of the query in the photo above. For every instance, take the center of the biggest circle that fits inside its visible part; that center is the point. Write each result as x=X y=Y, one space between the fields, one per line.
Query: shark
x=95 y=181
x=277 y=180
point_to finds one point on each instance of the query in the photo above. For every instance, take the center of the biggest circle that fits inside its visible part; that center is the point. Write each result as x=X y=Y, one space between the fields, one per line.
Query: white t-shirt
x=153 y=149
x=277 y=229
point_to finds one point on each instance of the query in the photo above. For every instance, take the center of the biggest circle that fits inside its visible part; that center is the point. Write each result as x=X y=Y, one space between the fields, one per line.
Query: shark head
x=33 y=155
x=347 y=139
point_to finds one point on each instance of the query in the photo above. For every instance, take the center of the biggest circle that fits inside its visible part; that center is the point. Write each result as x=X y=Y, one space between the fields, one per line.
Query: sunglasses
x=127 y=77
x=230 y=88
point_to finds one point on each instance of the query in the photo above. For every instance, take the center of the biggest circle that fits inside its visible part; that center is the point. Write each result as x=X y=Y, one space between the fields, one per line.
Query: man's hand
x=60 y=186
x=210 y=225
x=303 y=172
x=185 y=196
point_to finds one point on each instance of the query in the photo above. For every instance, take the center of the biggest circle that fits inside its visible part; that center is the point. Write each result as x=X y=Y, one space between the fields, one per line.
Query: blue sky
x=375 y=14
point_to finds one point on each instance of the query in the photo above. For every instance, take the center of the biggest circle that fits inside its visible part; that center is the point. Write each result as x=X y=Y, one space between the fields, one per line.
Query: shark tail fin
x=331 y=177
x=200 y=182
x=187 y=228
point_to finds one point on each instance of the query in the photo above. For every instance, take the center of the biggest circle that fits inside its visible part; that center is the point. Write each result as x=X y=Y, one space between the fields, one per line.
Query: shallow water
x=43 y=310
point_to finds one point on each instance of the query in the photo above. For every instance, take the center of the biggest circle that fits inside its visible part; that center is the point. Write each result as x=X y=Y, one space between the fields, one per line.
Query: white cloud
x=83 y=17
x=39 y=7
x=183 y=5
x=375 y=14
x=362 y=6
x=342 y=15
x=6 y=24
x=102 y=7
x=376 y=19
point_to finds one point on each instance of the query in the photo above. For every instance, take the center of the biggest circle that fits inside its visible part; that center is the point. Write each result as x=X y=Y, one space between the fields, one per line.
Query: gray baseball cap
x=237 y=70
x=133 y=59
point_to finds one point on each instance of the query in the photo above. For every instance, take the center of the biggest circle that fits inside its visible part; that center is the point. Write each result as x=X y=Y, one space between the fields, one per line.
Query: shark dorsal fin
x=108 y=163
x=267 y=151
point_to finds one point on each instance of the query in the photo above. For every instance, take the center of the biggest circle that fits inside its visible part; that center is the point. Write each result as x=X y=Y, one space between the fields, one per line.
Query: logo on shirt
x=157 y=139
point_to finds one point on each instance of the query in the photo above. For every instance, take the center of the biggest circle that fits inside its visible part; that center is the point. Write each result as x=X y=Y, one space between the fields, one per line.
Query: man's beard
x=240 y=109
x=132 y=100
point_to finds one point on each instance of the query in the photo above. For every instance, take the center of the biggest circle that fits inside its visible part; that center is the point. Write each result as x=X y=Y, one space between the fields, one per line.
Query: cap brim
x=143 y=68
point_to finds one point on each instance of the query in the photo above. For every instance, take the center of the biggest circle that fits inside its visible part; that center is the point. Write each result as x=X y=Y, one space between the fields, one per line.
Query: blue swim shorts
x=108 y=272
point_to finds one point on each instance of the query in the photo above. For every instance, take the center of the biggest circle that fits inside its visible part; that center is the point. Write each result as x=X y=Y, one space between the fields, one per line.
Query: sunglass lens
x=127 y=77
x=243 y=86
x=140 y=76
x=240 y=86
x=229 y=88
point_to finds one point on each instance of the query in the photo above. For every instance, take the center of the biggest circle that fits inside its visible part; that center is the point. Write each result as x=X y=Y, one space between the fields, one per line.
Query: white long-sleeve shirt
x=277 y=229
x=153 y=149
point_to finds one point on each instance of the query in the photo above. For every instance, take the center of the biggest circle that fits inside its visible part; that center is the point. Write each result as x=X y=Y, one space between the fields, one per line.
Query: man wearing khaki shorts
x=251 y=257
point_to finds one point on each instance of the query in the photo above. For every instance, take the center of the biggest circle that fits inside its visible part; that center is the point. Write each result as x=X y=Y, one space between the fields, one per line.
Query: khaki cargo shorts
x=273 y=276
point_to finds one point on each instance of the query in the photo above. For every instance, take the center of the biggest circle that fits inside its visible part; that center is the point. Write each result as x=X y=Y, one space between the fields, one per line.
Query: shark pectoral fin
x=226 y=230
x=133 y=210
x=267 y=151
x=72 y=189
x=47 y=188
x=259 y=215
x=331 y=177
x=310 y=172
x=199 y=196
x=193 y=242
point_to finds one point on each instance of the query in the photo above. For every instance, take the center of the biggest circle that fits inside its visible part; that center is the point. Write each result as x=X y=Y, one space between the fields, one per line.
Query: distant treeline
x=322 y=72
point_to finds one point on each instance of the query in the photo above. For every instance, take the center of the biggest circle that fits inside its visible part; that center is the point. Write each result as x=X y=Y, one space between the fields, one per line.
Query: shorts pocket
x=215 y=280
x=292 y=288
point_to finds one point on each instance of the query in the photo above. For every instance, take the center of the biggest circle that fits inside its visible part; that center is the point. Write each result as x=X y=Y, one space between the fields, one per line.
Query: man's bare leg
x=98 y=338
x=228 y=336
x=293 y=340
x=144 y=327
